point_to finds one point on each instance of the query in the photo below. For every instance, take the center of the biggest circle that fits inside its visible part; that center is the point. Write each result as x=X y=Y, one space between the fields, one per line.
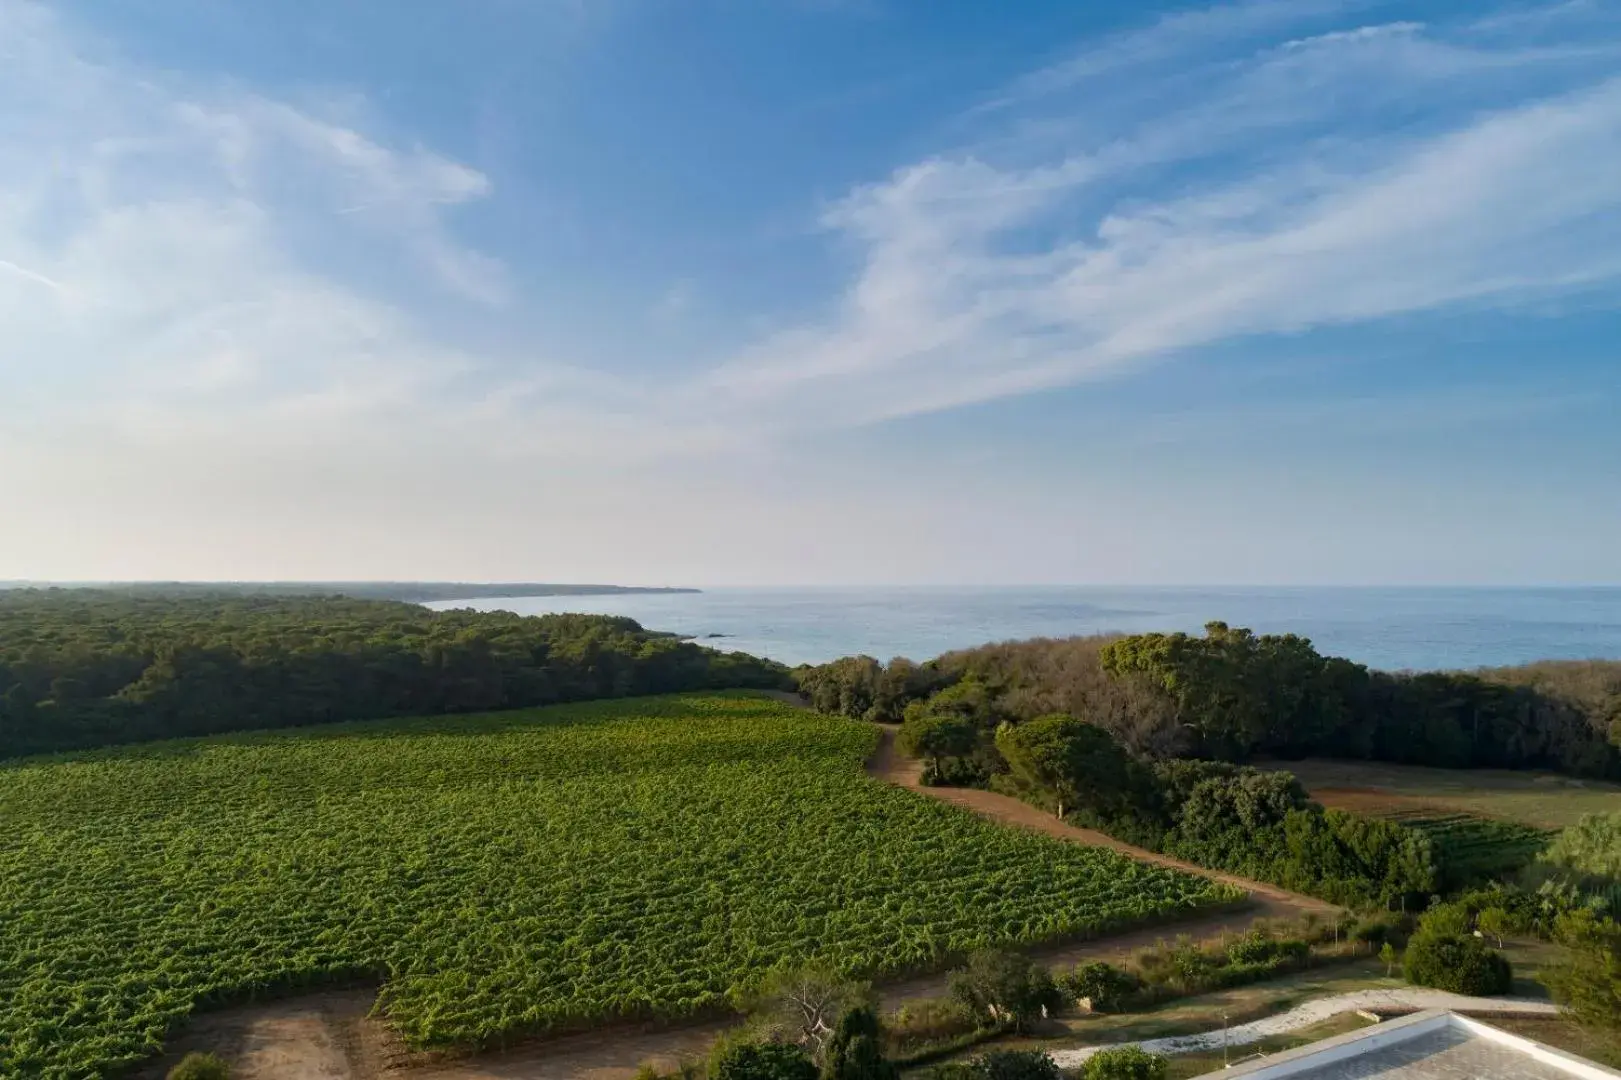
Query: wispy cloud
x=1300 y=181
x=1259 y=168
x=161 y=244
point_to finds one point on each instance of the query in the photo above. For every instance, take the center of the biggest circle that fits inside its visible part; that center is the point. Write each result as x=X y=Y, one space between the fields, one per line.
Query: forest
x=84 y=668
x=1154 y=739
x=413 y=592
x=1233 y=695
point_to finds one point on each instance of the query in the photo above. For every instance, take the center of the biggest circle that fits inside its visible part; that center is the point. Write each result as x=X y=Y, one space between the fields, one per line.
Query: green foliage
x=943 y=739
x=916 y=1025
x=1187 y=967
x=1459 y=963
x=761 y=1061
x=855 y=1051
x=1274 y=694
x=1584 y=863
x=1471 y=850
x=1587 y=980
x=1232 y=694
x=84 y=668
x=1079 y=764
x=629 y=859
x=1003 y=987
x=195 y=1066
x=1101 y=986
x=1592 y=846
x=864 y=689
x=1124 y=1063
x=1018 y=1065
x=1387 y=957
x=804 y=1003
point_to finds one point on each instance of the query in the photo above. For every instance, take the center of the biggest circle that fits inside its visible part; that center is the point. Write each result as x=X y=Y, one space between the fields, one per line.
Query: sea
x=1388 y=628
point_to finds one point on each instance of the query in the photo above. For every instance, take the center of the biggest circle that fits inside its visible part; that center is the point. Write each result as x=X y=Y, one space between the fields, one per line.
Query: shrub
x=956 y=1070
x=1462 y=964
x=196 y=1066
x=855 y=1051
x=1380 y=927
x=1018 y=1065
x=929 y=1020
x=1000 y=1065
x=1100 y=987
x=760 y=1061
x=1446 y=920
x=1005 y=988
x=1124 y=1063
x=1587 y=981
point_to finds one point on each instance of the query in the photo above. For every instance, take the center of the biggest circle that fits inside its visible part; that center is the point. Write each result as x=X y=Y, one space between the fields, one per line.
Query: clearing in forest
x=502 y=875
x=1543 y=800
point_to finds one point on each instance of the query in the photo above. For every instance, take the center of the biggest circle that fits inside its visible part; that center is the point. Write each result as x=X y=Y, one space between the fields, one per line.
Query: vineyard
x=500 y=875
x=1469 y=849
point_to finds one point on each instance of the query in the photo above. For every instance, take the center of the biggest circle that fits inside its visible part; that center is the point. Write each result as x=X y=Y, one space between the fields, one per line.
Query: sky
x=750 y=292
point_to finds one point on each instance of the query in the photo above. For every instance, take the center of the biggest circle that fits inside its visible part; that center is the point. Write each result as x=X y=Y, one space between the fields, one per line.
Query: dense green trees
x=1223 y=816
x=1079 y=764
x=1232 y=694
x=1100 y=987
x=861 y=687
x=1000 y=987
x=82 y=667
x=1243 y=694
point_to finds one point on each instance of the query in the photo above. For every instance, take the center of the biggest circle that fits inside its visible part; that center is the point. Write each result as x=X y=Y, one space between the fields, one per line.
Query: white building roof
x=1431 y=1045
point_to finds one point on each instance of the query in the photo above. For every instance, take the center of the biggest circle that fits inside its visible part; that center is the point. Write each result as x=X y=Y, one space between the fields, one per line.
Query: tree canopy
x=84 y=667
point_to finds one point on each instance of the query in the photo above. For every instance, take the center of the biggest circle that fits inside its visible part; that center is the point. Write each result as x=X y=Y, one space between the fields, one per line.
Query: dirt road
x=887 y=764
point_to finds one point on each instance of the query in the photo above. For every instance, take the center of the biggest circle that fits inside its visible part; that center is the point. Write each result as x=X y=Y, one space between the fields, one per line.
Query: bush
x=760 y=1061
x=1380 y=927
x=196 y=1066
x=1587 y=981
x=1100 y=987
x=1000 y=1065
x=1462 y=964
x=956 y=1070
x=928 y=1021
x=855 y=1052
x=1124 y=1063
x=1005 y=988
x=1018 y=1065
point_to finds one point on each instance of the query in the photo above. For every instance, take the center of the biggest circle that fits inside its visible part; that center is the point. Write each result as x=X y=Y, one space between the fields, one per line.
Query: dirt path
x=887 y=764
x=328 y=1035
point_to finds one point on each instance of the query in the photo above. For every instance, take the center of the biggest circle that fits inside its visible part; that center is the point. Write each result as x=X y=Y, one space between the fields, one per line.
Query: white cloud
x=160 y=252
x=209 y=298
x=1295 y=185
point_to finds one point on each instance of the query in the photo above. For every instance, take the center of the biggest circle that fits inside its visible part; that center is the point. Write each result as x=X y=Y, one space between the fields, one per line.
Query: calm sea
x=1386 y=628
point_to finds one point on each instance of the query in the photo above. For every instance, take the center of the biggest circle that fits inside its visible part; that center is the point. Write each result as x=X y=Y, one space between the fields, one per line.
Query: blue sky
x=811 y=291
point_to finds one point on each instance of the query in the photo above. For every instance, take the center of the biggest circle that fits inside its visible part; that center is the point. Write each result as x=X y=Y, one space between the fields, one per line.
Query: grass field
x=501 y=874
x=1543 y=800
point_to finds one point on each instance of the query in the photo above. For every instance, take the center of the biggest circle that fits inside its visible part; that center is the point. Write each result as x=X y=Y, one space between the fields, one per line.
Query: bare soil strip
x=887 y=764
